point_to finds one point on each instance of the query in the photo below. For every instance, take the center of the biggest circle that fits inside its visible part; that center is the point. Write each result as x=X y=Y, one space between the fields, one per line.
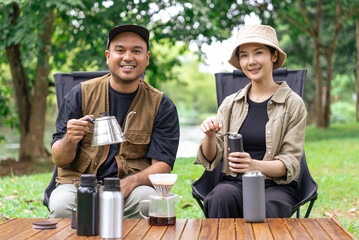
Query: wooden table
x=272 y=228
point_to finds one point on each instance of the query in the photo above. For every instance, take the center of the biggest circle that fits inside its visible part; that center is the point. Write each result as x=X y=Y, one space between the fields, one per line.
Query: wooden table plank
x=262 y=231
x=16 y=227
x=24 y=233
x=64 y=233
x=287 y=228
x=334 y=230
x=314 y=229
x=46 y=233
x=155 y=232
x=296 y=229
x=6 y=223
x=74 y=236
x=139 y=231
x=279 y=229
x=128 y=225
x=244 y=230
x=174 y=232
x=227 y=229
x=209 y=229
x=192 y=229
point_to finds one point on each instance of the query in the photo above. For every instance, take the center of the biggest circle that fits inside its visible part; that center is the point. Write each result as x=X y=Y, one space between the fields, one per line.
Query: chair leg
x=298 y=213
x=200 y=203
x=309 y=209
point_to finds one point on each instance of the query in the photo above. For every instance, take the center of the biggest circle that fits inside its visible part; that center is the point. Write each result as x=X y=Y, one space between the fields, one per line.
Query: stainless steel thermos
x=87 y=206
x=235 y=142
x=111 y=209
x=254 y=208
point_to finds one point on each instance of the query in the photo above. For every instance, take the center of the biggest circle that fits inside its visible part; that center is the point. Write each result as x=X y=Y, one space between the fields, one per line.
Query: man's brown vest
x=131 y=157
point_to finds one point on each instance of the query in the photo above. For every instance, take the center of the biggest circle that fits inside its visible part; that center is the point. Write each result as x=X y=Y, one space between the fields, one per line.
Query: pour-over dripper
x=163 y=182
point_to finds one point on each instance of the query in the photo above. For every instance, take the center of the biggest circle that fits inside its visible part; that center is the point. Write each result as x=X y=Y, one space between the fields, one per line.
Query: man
x=152 y=135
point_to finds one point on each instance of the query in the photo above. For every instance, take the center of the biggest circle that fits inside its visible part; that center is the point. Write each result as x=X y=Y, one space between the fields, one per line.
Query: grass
x=332 y=156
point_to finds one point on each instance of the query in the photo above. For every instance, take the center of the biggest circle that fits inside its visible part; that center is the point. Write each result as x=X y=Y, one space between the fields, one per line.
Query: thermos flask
x=254 y=208
x=87 y=206
x=111 y=209
x=235 y=142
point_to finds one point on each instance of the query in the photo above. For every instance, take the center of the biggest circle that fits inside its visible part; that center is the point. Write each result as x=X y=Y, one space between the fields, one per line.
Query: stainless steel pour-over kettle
x=107 y=130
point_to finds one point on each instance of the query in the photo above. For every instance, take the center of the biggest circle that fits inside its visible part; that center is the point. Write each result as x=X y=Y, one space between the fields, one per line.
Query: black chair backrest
x=228 y=83
x=64 y=82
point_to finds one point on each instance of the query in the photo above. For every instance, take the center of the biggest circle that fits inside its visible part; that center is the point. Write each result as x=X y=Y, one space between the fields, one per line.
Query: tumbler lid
x=234 y=135
x=112 y=184
x=253 y=173
x=88 y=180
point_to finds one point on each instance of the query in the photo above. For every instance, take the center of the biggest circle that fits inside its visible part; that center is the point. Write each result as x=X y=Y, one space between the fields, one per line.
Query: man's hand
x=129 y=183
x=76 y=129
x=64 y=150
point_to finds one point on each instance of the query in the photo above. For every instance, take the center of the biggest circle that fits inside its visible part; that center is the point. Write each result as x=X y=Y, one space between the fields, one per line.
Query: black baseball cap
x=143 y=32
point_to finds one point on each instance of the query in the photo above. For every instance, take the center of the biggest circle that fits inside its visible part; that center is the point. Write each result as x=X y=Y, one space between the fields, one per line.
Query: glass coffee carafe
x=161 y=209
x=161 y=205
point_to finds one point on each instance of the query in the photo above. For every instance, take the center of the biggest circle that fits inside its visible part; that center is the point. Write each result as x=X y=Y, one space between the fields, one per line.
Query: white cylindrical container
x=254 y=207
x=111 y=210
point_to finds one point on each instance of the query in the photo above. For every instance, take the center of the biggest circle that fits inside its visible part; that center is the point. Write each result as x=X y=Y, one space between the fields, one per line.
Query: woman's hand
x=210 y=126
x=240 y=162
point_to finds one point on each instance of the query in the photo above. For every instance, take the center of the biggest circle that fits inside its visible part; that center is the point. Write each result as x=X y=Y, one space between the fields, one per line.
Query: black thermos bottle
x=235 y=142
x=87 y=206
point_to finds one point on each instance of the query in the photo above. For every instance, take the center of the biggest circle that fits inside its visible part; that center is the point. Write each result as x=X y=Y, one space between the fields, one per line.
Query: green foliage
x=195 y=92
x=342 y=112
x=7 y=114
x=343 y=88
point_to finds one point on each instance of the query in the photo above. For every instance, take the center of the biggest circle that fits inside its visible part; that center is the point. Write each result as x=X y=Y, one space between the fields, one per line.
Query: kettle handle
x=127 y=119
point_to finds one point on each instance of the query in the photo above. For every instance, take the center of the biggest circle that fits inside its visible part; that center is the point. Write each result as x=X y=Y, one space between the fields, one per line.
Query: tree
x=38 y=36
x=322 y=22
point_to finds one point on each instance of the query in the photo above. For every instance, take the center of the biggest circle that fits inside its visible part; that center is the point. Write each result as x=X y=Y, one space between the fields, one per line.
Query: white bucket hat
x=262 y=34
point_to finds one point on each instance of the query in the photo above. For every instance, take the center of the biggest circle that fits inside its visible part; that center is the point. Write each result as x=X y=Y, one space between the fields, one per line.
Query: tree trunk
x=327 y=91
x=319 y=120
x=357 y=70
x=31 y=108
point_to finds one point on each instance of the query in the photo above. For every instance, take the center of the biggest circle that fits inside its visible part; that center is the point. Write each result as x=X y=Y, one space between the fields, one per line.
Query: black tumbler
x=235 y=142
x=87 y=206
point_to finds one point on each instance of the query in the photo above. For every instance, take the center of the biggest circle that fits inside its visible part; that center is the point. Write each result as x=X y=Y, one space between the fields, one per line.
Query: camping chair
x=64 y=82
x=228 y=83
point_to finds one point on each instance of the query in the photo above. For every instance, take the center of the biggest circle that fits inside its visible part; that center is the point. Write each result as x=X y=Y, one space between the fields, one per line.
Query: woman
x=271 y=119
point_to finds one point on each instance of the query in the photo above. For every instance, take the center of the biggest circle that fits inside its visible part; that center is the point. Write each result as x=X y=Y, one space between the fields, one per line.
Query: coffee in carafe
x=161 y=221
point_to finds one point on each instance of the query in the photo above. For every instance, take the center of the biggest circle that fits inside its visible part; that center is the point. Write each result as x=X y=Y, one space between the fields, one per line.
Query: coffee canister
x=254 y=208
x=235 y=142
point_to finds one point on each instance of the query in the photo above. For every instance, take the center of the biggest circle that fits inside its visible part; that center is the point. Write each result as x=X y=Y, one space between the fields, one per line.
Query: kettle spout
x=127 y=119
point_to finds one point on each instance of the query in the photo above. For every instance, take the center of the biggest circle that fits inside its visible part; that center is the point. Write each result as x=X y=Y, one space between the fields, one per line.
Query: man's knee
x=131 y=206
x=62 y=201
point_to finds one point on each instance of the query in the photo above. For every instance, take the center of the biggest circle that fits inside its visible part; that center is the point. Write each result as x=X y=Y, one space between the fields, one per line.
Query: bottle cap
x=88 y=180
x=112 y=184
x=253 y=173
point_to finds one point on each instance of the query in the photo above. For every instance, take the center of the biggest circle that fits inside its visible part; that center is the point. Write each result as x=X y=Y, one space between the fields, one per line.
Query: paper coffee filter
x=163 y=182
